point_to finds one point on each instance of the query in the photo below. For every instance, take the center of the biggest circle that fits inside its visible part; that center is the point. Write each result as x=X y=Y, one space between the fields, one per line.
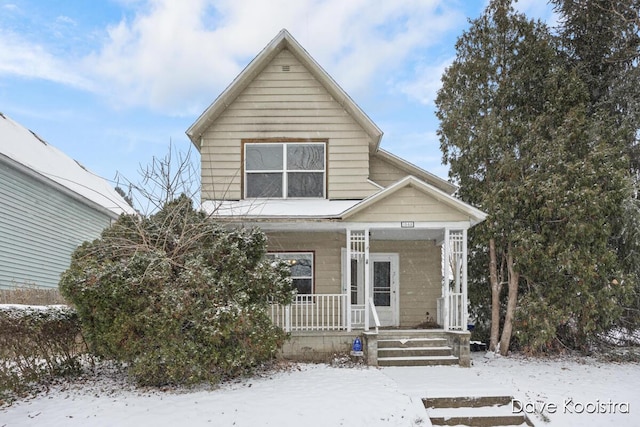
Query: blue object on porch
x=471 y=327
x=356 y=348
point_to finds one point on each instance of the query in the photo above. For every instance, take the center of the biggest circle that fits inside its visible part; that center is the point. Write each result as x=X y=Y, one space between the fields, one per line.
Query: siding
x=384 y=173
x=39 y=229
x=419 y=275
x=408 y=204
x=326 y=246
x=285 y=104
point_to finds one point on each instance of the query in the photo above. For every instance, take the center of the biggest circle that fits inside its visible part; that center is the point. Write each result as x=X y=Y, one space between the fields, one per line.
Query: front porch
x=382 y=290
x=376 y=291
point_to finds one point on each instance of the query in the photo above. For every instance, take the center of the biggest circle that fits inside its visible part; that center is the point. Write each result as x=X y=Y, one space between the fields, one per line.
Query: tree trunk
x=496 y=287
x=514 y=278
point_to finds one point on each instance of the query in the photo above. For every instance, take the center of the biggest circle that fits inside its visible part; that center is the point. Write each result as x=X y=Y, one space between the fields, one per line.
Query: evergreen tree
x=600 y=40
x=514 y=128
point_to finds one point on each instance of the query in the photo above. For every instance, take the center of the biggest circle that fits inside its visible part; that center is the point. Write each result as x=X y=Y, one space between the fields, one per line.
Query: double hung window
x=301 y=265
x=285 y=170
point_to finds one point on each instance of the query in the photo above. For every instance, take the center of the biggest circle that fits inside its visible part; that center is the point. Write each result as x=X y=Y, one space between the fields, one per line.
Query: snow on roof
x=28 y=149
x=270 y=208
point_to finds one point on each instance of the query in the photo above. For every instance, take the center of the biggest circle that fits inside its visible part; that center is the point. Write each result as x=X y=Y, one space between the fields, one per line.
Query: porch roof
x=340 y=211
x=278 y=208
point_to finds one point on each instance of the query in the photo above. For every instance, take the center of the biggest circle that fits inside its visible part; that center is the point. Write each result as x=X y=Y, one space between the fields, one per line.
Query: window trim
x=306 y=298
x=284 y=171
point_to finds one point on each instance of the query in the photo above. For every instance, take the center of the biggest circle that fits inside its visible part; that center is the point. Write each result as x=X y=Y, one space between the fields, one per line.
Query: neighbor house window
x=301 y=264
x=285 y=170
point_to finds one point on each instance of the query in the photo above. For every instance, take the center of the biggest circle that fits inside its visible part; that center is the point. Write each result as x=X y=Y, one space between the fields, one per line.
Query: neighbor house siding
x=420 y=277
x=408 y=204
x=39 y=229
x=285 y=104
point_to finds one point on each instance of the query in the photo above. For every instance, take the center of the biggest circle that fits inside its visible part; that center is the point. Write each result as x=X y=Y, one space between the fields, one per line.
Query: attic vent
x=286 y=68
x=39 y=139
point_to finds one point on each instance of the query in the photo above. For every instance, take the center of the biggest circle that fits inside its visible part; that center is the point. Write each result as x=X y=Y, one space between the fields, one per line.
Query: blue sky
x=112 y=83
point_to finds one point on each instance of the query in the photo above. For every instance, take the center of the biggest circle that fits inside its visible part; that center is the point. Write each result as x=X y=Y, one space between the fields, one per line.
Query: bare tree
x=163 y=180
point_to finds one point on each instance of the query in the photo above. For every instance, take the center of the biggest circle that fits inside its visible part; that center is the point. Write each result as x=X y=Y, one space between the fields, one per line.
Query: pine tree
x=515 y=128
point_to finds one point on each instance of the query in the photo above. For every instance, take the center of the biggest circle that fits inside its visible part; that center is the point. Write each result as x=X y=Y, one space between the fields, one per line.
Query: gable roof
x=50 y=165
x=324 y=209
x=475 y=215
x=284 y=40
x=412 y=169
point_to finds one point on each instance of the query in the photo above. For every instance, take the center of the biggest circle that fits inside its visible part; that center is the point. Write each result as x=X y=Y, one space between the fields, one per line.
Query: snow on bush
x=36 y=343
x=176 y=297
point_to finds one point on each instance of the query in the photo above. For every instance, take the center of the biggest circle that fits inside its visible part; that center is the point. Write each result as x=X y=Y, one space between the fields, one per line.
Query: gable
x=409 y=204
x=282 y=41
x=386 y=169
x=285 y=103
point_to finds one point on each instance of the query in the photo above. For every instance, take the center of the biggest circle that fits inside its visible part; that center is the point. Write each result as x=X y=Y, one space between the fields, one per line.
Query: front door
x=383 y=289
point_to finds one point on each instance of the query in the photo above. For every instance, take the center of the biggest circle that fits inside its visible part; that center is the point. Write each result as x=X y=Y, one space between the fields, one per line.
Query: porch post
x=465 y=262
x=347 y=285
x=445 y=279
x=367 y=285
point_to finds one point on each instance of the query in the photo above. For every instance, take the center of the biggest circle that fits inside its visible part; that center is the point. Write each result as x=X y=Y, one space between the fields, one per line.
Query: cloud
x=25 y=59
x=424 y=87
x=176 y=57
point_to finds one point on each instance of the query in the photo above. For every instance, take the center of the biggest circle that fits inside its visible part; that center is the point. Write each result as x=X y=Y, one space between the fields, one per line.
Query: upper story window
x=285 y=170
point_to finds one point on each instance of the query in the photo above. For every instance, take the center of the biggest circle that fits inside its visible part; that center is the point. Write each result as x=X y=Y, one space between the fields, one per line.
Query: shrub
x=176 y=297
x=36 y=344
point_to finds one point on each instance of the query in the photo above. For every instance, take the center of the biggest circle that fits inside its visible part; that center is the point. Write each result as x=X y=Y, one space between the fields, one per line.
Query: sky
x=112 y=83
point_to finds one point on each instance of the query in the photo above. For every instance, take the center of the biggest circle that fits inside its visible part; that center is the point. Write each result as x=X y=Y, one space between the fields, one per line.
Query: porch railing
x=455 y=318
x=357 y=316
x=317 y=312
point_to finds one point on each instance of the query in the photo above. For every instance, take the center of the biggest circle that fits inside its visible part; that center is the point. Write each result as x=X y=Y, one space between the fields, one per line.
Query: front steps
x=487 y=411
x=414 y=348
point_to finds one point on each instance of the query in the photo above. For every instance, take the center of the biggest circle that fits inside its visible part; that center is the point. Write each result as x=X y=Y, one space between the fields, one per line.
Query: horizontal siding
x=420 y=278
x=280 y=104
x=39 y=229
x=409 y=204
x=384 y=173
x=419 y=275
x=327 y=246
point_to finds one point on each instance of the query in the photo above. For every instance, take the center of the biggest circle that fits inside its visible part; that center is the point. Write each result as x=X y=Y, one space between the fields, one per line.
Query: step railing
x=374 y=312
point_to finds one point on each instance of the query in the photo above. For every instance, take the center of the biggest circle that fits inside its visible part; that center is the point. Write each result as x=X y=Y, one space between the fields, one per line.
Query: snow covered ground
x=321 y=395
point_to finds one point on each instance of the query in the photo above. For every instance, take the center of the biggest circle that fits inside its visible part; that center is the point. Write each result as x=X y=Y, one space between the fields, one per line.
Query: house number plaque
x=406 y=224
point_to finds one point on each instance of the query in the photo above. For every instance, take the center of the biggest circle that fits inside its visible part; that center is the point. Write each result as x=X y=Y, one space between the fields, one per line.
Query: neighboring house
x=374 y=241
x=50 y=205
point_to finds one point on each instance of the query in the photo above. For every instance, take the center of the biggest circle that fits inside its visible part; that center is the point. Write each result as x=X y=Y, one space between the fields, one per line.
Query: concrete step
x=417 y=361
x=484 y=411
x=413 y=351
x=411 y=333
x=411 y=342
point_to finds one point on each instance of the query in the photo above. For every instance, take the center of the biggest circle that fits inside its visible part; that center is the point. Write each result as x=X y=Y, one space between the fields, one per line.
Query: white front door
x=383 y=288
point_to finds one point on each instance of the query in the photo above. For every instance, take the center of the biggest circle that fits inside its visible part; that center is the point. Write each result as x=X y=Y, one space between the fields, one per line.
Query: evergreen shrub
x=178 y=298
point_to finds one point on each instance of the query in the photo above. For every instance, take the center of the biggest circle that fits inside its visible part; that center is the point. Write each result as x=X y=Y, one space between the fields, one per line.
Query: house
x=376 y=244
x=50 y=205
